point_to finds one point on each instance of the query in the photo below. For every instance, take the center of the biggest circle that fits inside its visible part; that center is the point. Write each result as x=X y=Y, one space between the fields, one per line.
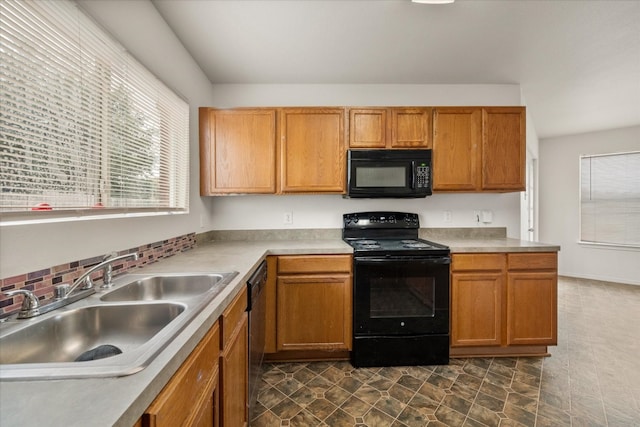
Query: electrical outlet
x=447 y=216
x=288 y=217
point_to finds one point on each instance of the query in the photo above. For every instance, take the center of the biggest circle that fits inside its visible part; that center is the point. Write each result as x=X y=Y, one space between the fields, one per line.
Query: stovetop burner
x=393 y=244
x=387 y=233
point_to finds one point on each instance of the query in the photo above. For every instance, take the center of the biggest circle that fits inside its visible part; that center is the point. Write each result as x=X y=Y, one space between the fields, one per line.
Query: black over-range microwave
x=389 y=173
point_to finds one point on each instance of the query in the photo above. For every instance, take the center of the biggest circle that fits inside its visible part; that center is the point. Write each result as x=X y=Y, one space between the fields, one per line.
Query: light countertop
x=121 y=401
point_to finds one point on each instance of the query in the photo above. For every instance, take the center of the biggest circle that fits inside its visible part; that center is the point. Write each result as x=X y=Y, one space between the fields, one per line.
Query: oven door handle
x=429 y=260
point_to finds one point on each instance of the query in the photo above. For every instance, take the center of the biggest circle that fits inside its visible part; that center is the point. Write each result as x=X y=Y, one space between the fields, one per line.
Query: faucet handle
x=30 y=304
x=61 y=291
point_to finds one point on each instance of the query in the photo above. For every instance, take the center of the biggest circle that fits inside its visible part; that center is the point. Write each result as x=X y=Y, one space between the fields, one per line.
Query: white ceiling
x=577 y=61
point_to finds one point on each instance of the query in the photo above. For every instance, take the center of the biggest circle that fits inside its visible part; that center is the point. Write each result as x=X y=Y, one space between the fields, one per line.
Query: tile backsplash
x=42 y=282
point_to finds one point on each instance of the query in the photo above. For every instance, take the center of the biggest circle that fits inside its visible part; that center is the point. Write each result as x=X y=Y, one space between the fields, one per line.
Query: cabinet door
x=410 y=128
x=314 y=312
x=185 y=399
x=476 y=309
x=532 y=308
x=457 y=134
x=503 y=148
x=237 y=151
x=312 y=151
x=234 y=377
x=367 y=127
x=205 y=417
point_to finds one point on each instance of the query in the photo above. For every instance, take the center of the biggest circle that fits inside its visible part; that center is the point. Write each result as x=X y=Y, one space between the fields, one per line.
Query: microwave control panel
x=422 y=176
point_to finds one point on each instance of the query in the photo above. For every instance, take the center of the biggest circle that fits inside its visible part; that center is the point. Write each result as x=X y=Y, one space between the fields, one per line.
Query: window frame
x=633 y=246
x=170 y=113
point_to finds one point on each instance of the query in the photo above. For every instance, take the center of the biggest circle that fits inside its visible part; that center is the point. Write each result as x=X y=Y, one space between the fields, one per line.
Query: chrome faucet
x=30 y=304
x=107 y=270
x=107 y=275
x=31 y=307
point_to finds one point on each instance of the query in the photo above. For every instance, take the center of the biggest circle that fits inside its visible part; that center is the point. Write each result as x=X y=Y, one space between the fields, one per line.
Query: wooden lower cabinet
x=313 y=303
x=190 y=397
x=532 y=292
x=234 y=364
x=503 y=304
x=476 y=308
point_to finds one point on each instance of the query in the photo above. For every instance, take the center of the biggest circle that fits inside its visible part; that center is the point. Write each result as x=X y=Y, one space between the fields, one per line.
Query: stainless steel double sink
x=138 y=317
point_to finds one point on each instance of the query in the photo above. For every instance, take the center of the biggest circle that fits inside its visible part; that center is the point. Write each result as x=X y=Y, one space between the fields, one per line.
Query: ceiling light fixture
x=433 y=1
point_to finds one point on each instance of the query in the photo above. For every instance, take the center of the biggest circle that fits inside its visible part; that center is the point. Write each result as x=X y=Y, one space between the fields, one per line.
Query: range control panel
x=381 y=220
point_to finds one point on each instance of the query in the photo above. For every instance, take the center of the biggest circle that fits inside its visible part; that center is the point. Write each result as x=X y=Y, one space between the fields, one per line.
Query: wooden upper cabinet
x=411 y=128
x=313 y=155
x=474 y=148
x=457 y=134
x=237 y=151
x=503 y=148
x=479 y=148
x=390 y=128
x=368 y=128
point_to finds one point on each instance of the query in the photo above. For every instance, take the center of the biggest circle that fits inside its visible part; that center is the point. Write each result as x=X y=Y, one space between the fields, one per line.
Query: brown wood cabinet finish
x=476 y=308
x=234 y=363
x=477 y=299
x=313 y=309
x=237 y=151
x=503 y=304
x=503 y=148
x=398 y=127
x=457 y=134
x=368 y=128
x=479 y=149
x=189 y=397
x=303 y=150
x=411 y=127
x=313 y=154
x=533 y=299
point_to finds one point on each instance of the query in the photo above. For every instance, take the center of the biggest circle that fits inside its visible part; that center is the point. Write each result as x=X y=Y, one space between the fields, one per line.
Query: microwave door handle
x=413 y=175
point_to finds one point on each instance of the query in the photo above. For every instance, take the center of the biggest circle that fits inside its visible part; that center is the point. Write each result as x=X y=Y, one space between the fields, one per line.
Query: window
x=610 y=199
x=84 y=128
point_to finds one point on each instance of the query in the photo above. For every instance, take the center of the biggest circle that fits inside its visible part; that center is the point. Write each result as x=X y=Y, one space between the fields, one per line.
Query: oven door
x=401 y=295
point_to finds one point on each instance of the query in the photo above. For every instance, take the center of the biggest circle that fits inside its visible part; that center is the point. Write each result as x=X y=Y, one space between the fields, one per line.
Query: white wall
x=559 y=205
x=260 y=212
x=138 y=26
x=256 y=212
x=144 y=33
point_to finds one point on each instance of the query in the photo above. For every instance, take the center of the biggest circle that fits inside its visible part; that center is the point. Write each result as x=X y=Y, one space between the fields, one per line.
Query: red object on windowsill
x=42 y=207
x=98 y=205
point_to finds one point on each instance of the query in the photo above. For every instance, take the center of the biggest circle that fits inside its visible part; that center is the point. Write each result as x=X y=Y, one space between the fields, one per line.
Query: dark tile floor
x=591 y=379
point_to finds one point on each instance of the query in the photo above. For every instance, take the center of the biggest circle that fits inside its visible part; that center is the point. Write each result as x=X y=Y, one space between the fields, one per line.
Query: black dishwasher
x=256 y=305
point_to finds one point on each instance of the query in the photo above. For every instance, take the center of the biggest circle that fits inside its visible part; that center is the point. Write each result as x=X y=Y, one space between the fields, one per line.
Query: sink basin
x=137 y=320
x=169 y=287
x=66 y=336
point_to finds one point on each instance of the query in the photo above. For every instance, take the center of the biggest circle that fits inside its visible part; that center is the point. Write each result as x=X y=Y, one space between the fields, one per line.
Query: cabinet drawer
x=314 y=264
x=533 y=261
x=471 y=262
x=175 y=402
x=232 y=316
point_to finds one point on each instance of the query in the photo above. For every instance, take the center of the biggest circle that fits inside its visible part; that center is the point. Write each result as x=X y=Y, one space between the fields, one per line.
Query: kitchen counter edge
x=121 y=401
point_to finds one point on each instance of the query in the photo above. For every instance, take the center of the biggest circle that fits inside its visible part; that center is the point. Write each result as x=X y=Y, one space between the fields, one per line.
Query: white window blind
x=83 y=124
x=610 y=199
